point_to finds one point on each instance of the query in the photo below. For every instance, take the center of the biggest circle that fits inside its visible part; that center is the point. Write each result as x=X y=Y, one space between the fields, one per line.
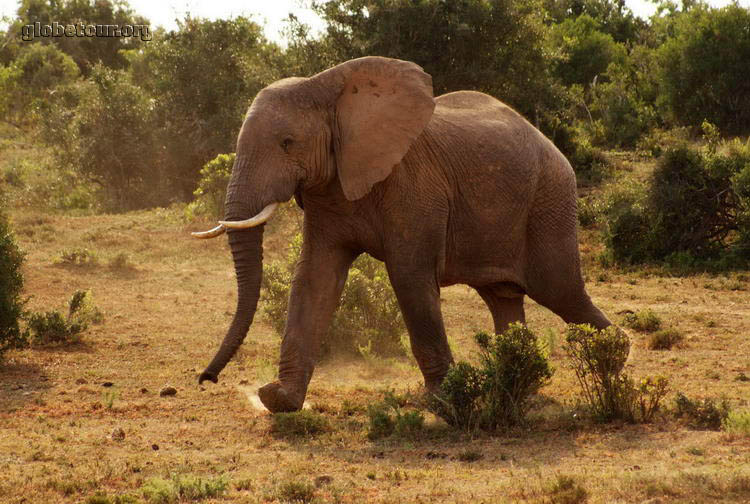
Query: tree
x=33 y=75
x=202 y=78
x=704 y=68
x=11 y=285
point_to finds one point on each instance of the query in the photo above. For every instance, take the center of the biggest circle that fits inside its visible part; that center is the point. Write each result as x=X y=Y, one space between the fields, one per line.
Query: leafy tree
x=202 y=77
x=33 y=75
x=613 y=16
x=704 y=68
x=587 y=51
x=11 y=285
x=104 y=131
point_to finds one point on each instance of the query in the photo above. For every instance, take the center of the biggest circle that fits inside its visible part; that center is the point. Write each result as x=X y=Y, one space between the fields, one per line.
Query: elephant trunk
x=247 y=252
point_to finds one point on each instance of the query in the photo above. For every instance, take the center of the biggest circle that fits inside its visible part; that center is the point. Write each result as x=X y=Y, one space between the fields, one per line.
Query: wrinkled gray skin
x=454 y=189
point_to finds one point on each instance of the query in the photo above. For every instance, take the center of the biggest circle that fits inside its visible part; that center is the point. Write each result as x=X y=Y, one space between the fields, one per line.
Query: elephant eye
x=286 y=143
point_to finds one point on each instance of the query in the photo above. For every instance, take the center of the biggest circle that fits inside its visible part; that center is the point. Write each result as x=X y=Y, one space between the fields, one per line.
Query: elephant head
x=349 y=125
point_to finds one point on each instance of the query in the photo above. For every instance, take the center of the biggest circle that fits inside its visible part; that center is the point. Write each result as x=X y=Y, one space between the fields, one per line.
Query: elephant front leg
x=419 y=299
x=319 y=279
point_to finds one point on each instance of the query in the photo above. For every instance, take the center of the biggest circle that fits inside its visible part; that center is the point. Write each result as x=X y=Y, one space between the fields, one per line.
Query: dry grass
x=166 y=308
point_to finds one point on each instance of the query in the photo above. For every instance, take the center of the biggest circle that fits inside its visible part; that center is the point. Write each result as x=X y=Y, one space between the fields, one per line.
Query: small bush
x=52 y=327
x=589 y=211
x=566 y=490
x=665 y=339
x=644 y=321
x=212 y=188
x=737 y=423
x=513 y=368
x=368 y=316
x=299 y=423
x=699 y=414
x=181 y=488
x=589 y=162
x=295 y=492
x=78 y=257
x=598 y=359
x=389 y=417
x=11 y=286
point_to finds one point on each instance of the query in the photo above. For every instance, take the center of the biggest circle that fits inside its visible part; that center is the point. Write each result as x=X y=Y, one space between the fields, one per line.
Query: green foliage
x=299 y=423
x=181 y=488
x=11 y=286
x=389 y=417
x=737 y=423
x=52 y=327
x=199 y=102
x=35 y=73
x=703 y=414
x=704 y=65
x=589 y=162
x=644 y=320
x=513 y=367
x=566 y=490
x=105 y=133
x=598 y=357
x=212 y=187
x=587 y=51
x=697 y=203
x=665 y=339
x=295 y=492
x=368 y=316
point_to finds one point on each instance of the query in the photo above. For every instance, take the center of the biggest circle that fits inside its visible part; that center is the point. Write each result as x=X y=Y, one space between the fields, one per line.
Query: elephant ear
x=381 y=106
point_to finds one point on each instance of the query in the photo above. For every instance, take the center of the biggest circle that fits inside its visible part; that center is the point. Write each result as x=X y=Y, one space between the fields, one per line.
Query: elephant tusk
x=211 y=233
x=252 y=221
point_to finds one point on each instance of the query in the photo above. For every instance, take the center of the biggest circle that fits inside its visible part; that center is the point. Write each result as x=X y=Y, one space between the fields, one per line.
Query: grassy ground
x=83 y=421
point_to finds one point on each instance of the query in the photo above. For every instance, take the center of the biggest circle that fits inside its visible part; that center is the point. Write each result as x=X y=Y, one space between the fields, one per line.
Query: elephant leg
x=319 y=279
x=419 y=299
x=506 y=308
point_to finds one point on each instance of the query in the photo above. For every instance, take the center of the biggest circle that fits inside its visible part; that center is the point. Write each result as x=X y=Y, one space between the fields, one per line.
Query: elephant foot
x=276 y=398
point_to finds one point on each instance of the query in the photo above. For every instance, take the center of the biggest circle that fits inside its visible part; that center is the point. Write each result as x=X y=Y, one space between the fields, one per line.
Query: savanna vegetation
x=113 y=149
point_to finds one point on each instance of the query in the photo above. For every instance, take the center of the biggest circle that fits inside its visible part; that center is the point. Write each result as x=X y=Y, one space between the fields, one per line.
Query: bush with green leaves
x=368 y=317
x=737 y=423
x=52 y=327
x=11 y=287
x=299 y=423
x=389 y=417
x=598 y=358
x=644 y=320
x=183 y=488
x=702 y=414
x=513 y=367
x=695 y=210
x=212 y=187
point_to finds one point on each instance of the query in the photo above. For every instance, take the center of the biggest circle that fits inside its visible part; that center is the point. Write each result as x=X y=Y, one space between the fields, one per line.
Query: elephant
x=458 y=188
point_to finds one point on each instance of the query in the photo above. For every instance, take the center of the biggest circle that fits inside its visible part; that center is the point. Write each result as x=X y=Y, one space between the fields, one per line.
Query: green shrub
x=52 y=327
x=180 y=488
x=299 y=423
x=703 y=414
x=513 y=367
x=589 y=162
x=665 y=339
x=589 y=211
x=566 y=490
x=212 y=187
x=737 y=423
x=696 y=211
x=296 y=492
x=644 y=321
x=598 y=357
x=368 y=315
x=11 y=286
x=389 y=417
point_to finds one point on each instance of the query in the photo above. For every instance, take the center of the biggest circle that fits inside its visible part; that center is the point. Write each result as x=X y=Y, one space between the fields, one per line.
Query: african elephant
x=454 y=189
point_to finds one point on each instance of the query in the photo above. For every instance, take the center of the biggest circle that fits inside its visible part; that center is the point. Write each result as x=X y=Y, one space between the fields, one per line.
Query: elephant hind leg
x=505 y=305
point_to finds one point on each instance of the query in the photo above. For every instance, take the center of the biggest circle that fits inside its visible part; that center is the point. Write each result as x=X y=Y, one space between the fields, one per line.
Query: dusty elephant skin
x=454 y=189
